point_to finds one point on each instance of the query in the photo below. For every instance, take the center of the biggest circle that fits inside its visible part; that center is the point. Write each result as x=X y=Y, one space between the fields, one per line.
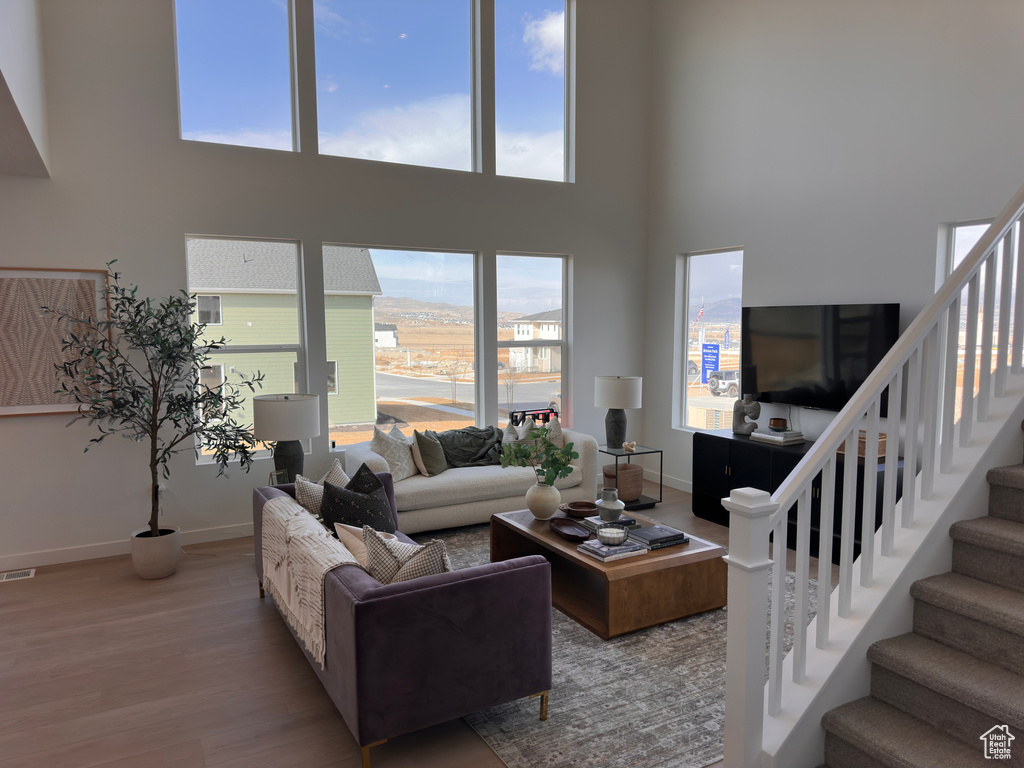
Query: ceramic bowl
x=579 y=508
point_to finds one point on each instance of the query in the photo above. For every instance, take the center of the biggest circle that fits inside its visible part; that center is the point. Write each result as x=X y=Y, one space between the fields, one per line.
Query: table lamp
x=286 y=419
x=617 y=393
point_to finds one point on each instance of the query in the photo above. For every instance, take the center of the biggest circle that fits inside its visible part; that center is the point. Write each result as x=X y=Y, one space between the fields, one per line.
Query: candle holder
x=612 y=534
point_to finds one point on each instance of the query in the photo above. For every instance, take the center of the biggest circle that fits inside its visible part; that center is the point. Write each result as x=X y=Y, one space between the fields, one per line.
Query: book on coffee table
x=606 y=553
x=657 y=536
x=593 y=523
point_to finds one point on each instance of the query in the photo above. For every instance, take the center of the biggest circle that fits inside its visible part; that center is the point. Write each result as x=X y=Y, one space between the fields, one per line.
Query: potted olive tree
x=137 y=374
x=549 y=461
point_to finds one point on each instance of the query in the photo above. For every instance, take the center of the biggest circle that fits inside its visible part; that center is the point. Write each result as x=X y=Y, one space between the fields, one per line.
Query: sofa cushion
x=397 y=452
x=428 y=453
x=390 y=561
x=461 y=485
x=362 y=502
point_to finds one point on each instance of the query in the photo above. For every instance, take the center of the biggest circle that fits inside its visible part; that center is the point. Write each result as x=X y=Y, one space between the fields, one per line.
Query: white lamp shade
x=286 y=417
x=618 y=391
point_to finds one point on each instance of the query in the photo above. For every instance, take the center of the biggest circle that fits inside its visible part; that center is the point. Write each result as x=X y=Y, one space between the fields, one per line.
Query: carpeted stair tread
x=991 y=533
x=979 y=600
x=1007 y=477
x=977 y=684
x=896 y=739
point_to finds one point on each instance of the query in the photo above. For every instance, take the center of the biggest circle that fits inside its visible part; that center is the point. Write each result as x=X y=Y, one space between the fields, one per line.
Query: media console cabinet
x=723 y=460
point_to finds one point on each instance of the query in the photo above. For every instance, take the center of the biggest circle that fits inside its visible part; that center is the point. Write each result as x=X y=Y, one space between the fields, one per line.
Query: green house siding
x=257 y=318
x=349 y=325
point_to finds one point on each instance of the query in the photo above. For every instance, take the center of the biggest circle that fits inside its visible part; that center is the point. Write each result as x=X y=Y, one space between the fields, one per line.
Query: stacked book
x=593 y=523
x=789 y=437
x=657 y=537
x=606 y=553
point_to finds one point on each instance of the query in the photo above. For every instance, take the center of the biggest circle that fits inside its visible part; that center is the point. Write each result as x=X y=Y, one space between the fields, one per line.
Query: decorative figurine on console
x=742 y=410
x=629 y=447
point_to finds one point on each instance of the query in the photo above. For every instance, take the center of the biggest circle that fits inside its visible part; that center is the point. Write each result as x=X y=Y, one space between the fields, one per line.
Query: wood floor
x=100 y=668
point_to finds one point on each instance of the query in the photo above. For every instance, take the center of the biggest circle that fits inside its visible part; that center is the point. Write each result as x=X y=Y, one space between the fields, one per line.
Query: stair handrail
x=926 y=350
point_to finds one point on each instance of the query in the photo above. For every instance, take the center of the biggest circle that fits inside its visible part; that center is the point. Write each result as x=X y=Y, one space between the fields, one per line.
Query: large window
x=394 y=81
x=234 y=72
x=531 y=332
x=402 y=328
x=529 y=88
x=256 y=281
x=711 y=298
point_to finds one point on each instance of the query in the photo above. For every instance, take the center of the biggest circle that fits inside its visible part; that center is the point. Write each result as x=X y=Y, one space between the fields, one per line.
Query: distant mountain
x=725 y=311
x=401 y=306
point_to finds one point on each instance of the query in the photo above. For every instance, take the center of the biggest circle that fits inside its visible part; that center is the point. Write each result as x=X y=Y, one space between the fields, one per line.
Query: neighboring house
x=246 y=292
x=542 y=326
x=385 y=335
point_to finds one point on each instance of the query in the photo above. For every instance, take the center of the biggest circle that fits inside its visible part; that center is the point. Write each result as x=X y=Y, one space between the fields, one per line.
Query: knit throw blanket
x=297 y=553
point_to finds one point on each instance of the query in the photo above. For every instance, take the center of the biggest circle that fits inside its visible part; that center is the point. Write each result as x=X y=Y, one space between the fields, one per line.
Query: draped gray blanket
x=471 y=446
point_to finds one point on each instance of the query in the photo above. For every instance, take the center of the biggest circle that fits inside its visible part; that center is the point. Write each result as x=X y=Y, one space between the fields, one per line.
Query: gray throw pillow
x=428 y=453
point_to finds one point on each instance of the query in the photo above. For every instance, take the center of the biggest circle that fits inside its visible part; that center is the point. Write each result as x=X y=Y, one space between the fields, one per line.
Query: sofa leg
x=261 y=590
x=366 y=752
x=543 y=703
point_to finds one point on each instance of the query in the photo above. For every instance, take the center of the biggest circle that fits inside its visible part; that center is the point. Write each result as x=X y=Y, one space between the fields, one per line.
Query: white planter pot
x=543 y=500
x=156 y=557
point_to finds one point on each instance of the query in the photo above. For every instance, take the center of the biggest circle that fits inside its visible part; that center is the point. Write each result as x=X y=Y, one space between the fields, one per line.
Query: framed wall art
x=30 y=340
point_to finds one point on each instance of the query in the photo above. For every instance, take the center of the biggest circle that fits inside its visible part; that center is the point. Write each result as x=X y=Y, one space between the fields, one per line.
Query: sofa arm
x=439 y=647
x=358 y=454
x=586 y=446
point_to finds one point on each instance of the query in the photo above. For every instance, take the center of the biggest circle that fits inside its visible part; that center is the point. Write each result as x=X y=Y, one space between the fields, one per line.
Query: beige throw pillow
x=396 y=452
x=311 y=495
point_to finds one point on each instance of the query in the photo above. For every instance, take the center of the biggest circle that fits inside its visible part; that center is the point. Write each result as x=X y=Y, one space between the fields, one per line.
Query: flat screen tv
x=815 y=356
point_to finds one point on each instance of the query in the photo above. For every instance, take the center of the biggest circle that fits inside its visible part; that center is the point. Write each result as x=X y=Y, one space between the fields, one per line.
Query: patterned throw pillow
x=396 y=452
x=428 y=453
x=310 y=495
x=519 y=434
x=352 y=538
x=390 y=561
x=362 y=502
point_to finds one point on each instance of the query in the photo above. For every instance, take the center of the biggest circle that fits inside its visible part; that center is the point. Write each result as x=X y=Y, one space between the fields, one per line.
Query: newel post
x=750 y=512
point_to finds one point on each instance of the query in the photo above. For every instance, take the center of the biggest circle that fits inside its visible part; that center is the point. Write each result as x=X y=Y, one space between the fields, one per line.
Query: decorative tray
x=579 y=508
x=568 y=529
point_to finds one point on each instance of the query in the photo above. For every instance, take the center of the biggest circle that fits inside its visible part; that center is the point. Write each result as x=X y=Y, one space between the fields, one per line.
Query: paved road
x=528 y=394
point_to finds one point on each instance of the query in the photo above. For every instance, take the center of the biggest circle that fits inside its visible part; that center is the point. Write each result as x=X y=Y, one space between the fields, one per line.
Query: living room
x=832 y=142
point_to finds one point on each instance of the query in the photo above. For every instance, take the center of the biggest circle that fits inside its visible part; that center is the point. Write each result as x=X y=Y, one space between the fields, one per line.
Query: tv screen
x=815 y=356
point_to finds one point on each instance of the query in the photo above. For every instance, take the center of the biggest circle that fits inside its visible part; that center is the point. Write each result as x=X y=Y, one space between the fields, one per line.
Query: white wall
x=124 y=186
x=23 y=149
x=829 y=140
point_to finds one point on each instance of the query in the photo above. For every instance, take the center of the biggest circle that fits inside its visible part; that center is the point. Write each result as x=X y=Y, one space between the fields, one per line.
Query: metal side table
x=644 y=502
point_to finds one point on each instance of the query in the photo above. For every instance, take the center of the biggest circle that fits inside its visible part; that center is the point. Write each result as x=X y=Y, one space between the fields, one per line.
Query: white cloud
x=545 y=41
x=329 y=21
x=530 y=155
x=245 y=138
x=327 y=86
x=434 y=132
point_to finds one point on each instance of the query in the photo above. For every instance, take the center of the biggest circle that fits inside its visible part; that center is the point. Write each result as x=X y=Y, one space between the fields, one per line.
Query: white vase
x=543 y=500
x=608 y=506
x=156 y=557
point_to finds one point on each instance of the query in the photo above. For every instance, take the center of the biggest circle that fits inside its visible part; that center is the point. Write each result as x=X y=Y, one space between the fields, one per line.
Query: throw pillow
x=428 y=453
x=310 y=494
x=520 y=434
x=555 y=432
x=396 y=452
x=352 y=506
x=390 y=561
x=335 y=474
x=352 y=537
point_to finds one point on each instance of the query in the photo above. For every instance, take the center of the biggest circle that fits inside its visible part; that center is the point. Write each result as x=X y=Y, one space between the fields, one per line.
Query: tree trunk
x=154 y=517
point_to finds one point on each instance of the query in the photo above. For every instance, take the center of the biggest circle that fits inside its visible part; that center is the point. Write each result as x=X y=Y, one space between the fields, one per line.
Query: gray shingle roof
x=244 y=266
x=550 y=316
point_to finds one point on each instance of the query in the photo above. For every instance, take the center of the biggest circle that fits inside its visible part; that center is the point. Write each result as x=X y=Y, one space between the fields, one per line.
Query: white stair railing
x=921 y=416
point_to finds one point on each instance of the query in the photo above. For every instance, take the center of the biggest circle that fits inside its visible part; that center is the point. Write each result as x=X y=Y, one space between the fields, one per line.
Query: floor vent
x=28 y=573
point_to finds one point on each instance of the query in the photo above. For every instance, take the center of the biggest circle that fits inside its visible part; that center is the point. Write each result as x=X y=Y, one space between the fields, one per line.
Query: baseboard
x=112 y=548
x=672 y=482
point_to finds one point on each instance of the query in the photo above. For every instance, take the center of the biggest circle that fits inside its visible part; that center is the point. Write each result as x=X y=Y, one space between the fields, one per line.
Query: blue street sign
x=726 y=338
x=708 y=361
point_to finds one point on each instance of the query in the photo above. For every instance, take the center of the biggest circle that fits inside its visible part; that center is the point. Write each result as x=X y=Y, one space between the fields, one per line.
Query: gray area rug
x=651 y=698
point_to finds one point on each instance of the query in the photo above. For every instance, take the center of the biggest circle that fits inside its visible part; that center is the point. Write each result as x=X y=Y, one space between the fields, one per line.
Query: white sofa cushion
x=469 y=484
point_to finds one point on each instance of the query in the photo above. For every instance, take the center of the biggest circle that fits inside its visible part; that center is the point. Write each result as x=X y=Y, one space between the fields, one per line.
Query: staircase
x=960 y=672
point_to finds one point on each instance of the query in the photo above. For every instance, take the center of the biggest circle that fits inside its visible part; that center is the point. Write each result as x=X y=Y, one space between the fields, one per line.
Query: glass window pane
x=714 y=300
x=234 y=72
x=529 y=304
x=529 y=88
x=401 y=326
x=394 y=81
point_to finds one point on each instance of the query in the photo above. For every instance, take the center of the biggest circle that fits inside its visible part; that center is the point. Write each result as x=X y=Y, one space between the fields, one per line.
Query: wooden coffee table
x=611 y=599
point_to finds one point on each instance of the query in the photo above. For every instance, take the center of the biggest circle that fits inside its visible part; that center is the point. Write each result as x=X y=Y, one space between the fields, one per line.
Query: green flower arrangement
x=549 y=461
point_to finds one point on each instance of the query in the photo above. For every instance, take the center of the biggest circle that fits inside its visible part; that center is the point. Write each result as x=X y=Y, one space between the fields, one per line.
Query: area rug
x=651 y=698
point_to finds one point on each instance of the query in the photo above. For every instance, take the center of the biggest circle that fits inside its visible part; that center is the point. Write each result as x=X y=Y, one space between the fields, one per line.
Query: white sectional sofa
x=468 y=495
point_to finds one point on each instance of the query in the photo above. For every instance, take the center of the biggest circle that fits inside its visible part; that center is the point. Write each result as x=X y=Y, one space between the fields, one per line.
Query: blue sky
x=393 y=79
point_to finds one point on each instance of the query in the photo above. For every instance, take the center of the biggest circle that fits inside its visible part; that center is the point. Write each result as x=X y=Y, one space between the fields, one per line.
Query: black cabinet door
x=751 y=466
x=710 y=481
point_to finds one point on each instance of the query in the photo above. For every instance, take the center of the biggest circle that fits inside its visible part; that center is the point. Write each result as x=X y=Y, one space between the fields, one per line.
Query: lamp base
x=288 y=454
x=615 y=428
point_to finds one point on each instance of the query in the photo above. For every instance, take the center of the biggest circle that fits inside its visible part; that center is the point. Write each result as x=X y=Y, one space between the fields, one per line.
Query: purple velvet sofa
x=410 y=655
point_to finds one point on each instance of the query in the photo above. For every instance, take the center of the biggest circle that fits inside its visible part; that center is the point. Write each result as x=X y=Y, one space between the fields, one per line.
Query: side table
x=644 y=502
